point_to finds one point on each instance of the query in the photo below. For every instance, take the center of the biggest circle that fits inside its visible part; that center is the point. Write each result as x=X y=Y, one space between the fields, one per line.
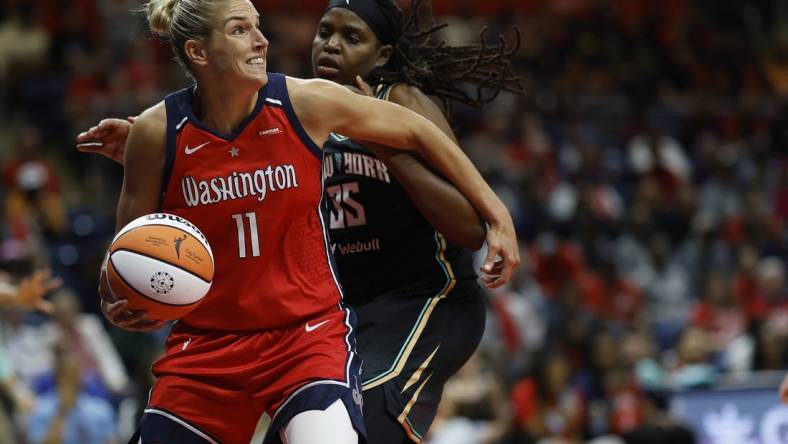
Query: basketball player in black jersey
x=402 y=236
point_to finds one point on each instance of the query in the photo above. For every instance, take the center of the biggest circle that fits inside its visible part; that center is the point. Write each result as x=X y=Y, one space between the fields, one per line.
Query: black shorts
x=410 y=343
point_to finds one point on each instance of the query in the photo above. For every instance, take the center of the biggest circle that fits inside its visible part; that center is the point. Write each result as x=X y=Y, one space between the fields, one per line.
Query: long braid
x=420 y=60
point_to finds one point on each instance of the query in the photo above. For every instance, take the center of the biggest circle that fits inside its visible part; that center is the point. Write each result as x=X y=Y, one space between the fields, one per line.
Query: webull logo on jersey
x=356 y=247
x=238 y=185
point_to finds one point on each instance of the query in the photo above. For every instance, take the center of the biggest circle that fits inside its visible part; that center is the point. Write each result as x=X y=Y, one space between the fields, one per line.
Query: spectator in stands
x=473 y=408
x=28 y=295
x=30 y=292
x=68 y=415
x=721 y=316
x=694 y=368
x=103 y=372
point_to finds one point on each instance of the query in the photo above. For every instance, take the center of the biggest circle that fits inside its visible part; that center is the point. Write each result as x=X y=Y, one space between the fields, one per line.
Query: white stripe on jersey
x=179 y=125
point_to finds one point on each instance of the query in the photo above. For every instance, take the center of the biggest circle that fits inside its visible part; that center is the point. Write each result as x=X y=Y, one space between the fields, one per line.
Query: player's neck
x=224 y=108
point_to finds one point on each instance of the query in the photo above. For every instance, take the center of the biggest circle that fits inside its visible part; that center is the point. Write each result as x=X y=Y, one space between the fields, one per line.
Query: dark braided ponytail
x=446 y=72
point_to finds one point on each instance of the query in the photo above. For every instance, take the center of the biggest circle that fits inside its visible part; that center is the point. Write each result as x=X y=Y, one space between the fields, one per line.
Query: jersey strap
x=277 y=95
x=384 y=91
x=176 y=118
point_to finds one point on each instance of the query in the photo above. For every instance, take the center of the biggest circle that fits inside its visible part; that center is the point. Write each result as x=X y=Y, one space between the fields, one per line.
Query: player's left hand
x=784 y=391
x=503 y=254
x=491 y=276
x=108 y=138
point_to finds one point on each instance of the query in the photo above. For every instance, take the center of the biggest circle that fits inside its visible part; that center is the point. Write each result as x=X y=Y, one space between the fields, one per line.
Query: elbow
x=418 y=135
x=470 y=236
x=464 y=228
x=476 y=237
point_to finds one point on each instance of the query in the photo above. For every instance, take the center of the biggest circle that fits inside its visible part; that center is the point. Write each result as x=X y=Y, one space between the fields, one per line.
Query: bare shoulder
x=152 y=122
x=412 y=98
x=320 y=104
x=415 y=100
x=306 y=89
x=148 y=136
x=155 y=112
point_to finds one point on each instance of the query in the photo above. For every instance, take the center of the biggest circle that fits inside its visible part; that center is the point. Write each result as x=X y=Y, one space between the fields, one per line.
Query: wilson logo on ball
x=153 y=253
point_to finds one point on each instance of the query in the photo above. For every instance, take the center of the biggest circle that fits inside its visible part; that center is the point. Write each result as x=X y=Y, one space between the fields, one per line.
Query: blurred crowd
x=646 y=169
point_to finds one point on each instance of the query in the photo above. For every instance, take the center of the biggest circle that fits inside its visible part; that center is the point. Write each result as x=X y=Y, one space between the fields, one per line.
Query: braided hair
x=419 y=59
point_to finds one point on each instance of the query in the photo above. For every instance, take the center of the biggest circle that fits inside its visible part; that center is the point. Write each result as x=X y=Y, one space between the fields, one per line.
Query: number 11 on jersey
x=253 y=237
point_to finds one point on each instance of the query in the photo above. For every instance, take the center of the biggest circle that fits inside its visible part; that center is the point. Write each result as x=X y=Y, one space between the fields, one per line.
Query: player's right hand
x=108 y=138
x=784 y=391
x=117 y=313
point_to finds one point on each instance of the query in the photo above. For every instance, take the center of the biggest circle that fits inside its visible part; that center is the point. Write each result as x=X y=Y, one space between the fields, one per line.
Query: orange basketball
x=162 y=264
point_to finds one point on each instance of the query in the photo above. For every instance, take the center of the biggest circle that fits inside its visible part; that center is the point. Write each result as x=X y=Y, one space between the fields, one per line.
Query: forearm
x=130 y=207
x=440 y=152
x=444 y=207
x=144 y=156
x=392 y=125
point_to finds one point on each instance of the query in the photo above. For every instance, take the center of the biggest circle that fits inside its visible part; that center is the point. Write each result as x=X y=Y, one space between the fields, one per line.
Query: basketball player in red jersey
x=235 y=155
x=350 y=39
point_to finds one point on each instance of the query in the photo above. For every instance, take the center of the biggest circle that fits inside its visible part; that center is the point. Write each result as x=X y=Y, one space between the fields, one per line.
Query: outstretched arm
x=444 y=207
x=108 y=138
x=439 y=202
x=144 y=158
x=324 y=107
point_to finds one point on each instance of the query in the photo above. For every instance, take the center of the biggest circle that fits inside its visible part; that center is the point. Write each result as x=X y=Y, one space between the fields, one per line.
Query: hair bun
x=160 y=15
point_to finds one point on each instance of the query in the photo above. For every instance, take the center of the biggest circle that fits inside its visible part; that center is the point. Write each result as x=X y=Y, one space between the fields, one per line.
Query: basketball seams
x=124 y=233
x=166 y=269
x=203 y=244
x=178 y=224
x=157 y=280
x=119 y=275
x=158 y=259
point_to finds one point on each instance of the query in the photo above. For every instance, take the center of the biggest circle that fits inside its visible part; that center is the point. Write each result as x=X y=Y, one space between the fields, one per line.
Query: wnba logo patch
x=357 y=398
x=162 y=283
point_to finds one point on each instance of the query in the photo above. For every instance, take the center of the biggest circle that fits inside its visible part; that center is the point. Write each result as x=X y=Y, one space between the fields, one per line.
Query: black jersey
x=381 y=242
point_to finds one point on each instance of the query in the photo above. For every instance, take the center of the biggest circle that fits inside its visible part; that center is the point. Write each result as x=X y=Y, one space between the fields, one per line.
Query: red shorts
x=220 y=383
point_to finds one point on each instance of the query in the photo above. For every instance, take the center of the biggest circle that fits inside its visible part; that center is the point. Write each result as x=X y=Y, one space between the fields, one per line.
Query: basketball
x=162 y=264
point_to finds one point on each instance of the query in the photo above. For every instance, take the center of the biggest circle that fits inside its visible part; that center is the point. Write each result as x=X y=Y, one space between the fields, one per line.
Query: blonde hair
x=180 y=20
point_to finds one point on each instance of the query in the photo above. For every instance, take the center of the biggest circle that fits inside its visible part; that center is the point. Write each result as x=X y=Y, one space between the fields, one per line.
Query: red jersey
x=256 y=195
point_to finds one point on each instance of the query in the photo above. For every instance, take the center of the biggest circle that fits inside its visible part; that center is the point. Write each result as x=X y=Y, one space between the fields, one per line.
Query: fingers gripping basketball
x=162 y=264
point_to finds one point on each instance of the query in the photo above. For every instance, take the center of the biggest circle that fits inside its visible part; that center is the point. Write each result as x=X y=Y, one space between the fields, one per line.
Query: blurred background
x=646 y=170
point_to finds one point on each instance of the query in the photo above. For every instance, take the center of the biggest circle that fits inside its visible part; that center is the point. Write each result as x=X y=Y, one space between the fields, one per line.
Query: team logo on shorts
x=162 y=283
x=357 y=398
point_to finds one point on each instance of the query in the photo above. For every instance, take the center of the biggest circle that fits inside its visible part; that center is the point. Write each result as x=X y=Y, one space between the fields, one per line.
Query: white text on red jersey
x=257 y=183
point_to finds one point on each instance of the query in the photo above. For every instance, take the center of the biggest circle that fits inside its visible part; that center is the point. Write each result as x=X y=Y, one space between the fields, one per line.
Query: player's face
x=345 y=47
x=237 y=46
